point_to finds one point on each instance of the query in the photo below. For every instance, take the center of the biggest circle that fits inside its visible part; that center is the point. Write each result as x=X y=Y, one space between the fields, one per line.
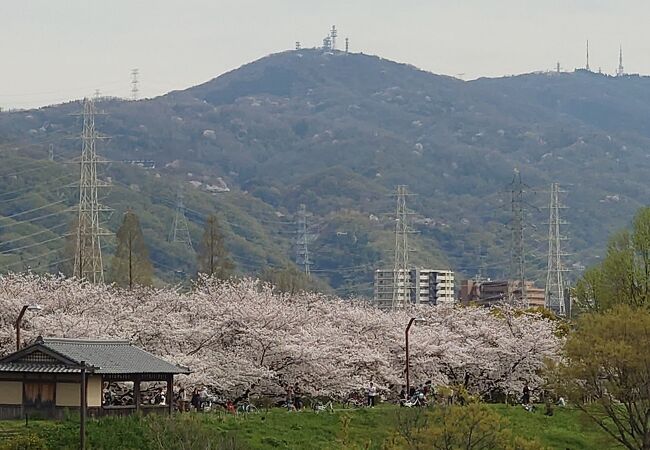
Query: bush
x=24 y=442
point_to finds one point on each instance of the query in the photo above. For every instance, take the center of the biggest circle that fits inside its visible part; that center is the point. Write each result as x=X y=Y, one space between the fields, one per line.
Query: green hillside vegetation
x=353 y=429
x=337 y=132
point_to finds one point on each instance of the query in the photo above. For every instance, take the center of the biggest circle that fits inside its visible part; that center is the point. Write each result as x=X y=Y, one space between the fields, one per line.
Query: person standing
x=297 y=397
x=372 y=394
x=525 y=398
x=196 y=400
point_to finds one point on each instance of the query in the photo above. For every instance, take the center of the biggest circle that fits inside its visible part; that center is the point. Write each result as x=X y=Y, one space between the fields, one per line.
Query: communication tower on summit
x=134 y=84
x=347 y=45
x=620 y=71
x=298 y=46
x=587 y=66
x=327 y=43
x=333 y=36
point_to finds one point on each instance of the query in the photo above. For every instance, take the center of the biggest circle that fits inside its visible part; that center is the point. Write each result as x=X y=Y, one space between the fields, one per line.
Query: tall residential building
x=416 y=286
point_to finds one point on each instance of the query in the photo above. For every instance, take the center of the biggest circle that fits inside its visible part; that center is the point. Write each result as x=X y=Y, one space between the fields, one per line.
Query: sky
x=58 y=50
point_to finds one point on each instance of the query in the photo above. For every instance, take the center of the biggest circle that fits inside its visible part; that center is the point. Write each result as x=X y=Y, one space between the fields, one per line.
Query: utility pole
x=554 y=292
x=134 y=84
x=302 y=241
x=401 y=274
x=88 y=263
x=180 y=231
x=517 y=249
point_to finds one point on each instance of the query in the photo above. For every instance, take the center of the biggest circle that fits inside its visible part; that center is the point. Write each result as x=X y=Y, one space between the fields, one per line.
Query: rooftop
x=103 y=356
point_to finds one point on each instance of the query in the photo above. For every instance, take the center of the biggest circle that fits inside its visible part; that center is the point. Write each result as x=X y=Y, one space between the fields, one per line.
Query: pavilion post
x=136 y=392
x=170 y=393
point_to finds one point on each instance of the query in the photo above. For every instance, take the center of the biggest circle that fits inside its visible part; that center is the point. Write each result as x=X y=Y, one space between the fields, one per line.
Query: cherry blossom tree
x=243 y=335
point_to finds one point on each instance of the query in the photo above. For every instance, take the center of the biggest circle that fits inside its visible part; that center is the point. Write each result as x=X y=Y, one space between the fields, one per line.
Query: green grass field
x=279 y=429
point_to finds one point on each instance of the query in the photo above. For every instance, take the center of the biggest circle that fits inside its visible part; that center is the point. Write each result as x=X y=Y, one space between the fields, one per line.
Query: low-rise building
x=415 y=286
x=488 y=292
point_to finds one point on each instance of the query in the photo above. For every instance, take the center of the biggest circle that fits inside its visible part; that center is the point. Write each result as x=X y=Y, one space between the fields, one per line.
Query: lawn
x=280 y=429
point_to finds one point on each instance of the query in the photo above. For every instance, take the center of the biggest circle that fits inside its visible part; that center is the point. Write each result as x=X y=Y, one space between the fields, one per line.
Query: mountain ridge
x=338 y=131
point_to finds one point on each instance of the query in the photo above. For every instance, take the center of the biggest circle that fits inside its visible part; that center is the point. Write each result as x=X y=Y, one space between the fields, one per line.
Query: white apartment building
x=416 y=286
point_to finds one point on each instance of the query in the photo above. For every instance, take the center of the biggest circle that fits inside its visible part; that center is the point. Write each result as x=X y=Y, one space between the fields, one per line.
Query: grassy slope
x=279 y=429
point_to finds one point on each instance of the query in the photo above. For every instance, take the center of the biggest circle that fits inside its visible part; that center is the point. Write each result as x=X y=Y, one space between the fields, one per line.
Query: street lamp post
x=406 y=335
x=20 y=319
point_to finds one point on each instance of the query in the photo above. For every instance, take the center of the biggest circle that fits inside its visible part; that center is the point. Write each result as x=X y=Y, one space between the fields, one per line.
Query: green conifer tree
x=213 y=257
x=131 y=264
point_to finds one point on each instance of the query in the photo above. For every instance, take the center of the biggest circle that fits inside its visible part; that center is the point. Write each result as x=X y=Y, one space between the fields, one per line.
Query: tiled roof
x=41 y=368
x=105 y=357
x=111 y=357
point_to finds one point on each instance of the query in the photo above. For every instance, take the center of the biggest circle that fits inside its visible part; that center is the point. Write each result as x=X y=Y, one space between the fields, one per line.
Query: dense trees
x=131 y=264
x=236 y=334
x=606 y=368
x=623 y=277
x=606 y=372
x=213 y=259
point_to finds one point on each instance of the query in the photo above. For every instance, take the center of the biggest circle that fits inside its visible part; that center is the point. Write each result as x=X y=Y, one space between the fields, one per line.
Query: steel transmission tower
x=554 y=292
x=401 y=274
x=180 y=231
x=302 y=241
x=88 y=262
x=517 y=249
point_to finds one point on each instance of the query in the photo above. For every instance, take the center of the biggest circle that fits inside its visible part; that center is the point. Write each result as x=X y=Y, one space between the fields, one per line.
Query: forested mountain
x=337 y=132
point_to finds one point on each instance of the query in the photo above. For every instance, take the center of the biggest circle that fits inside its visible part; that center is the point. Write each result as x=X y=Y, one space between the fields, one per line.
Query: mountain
x=337 y=132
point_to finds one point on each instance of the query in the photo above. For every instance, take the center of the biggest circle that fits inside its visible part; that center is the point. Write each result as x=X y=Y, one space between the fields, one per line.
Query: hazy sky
x=57 y=50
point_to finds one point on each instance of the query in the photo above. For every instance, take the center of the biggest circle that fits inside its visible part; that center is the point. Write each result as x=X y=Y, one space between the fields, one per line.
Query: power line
x=33 y=234
x=32 y=210
x=11 y=252
x=34 y=219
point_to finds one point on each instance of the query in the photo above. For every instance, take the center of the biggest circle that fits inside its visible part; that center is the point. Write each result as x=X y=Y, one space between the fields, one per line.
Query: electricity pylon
x=180 y=231
x=401 y=274
x=554 y=292
x=302 y=241
x=88 y=262
x=517 y=247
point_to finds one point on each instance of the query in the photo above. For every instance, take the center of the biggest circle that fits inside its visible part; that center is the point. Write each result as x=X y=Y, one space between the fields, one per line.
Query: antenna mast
x=333 y=35
x=620 y=72
x=88 y=262
x=554 y=276
x=587 y=66
x=134 y=84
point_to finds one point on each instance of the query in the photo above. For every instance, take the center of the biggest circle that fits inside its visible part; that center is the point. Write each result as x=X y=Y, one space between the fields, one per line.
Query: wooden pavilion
x=44 y=378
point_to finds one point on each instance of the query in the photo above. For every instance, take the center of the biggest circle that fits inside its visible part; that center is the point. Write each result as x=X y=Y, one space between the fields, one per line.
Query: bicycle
x=246 y=408
x=319 y=407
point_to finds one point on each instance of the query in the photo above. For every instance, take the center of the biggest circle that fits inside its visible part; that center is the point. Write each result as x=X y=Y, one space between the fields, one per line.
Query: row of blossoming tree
x=242 y=334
